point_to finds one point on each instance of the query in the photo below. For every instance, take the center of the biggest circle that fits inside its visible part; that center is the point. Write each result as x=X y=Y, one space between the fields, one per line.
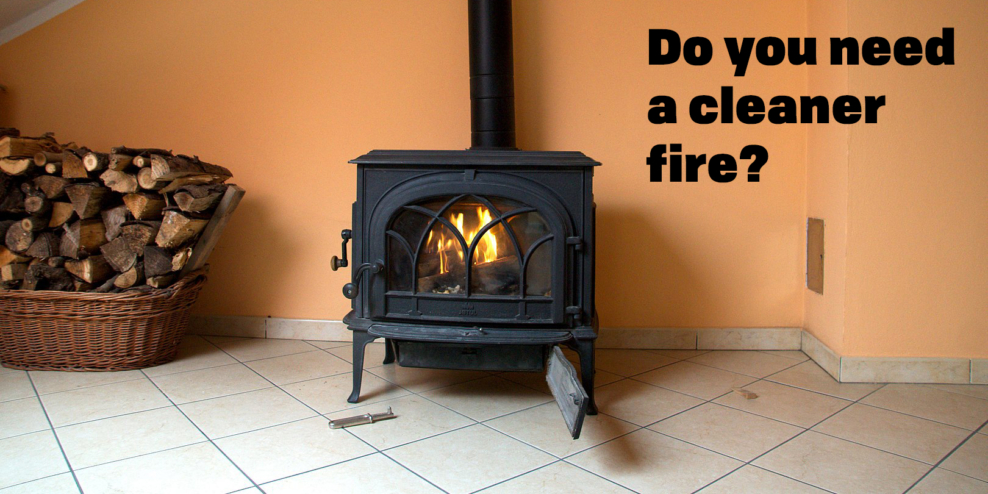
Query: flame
x=486 y=250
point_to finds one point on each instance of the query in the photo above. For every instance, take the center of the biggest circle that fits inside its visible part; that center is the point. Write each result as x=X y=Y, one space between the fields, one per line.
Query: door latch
x=337 y=263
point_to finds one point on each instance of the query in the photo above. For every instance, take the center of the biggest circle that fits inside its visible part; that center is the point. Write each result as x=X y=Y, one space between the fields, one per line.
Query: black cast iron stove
x=480 y=259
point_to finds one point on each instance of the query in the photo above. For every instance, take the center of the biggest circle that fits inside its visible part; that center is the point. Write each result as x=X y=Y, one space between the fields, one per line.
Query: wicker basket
x=95 y=331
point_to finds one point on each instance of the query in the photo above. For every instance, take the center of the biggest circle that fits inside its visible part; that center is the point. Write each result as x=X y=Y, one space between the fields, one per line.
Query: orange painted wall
x=283 y=93
x=917 y=269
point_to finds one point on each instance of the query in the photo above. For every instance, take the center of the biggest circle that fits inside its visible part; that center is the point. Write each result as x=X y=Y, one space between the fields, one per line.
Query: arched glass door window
x=470 y=245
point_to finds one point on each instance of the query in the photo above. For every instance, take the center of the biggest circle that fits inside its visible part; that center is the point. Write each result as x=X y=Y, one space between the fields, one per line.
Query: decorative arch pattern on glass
x=468 y=245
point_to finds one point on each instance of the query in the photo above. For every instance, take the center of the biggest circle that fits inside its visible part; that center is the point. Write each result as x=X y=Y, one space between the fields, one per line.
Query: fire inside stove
x=502 y=243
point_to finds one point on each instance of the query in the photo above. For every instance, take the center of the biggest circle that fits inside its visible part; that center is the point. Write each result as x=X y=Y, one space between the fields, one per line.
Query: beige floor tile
x=680 y=354
x=487 y=398
x=210 y=383
x=931 y=403
x=126 y=436
x=641 y=403
x=941 y=481
x=975 y=390
x=98 y=402
x=727 y=431
x=199 y=468
x=417 y=418
x=245 y=412
x=420 y=380
x=56 y=484
x=461 y=461
x=374 y=474
x=647 y=461
x=629 y=362
x=329 y=394
x=810 y=376
x=842 y=466
x=299 y=367
x=793 y=354
x=326 y=345
x=15 y=385
x=970 y=459
x=536 y=380
x=277 y=452
x=247 y=349
x=544 y=428
x=49 y=382
x=754 y=480
x=749 y=363
x=373 y=354
x=905 y=435
x=21 y=417
x=557 y=478
x=29 y=457
x=695 y=380
x=194 y=353
x=791 y=405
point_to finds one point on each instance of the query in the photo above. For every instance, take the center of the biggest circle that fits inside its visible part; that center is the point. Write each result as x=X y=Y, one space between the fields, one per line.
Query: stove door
x=570 y=395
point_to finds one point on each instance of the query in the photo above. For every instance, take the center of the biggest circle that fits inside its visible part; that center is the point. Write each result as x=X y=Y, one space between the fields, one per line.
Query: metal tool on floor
x=367 y=418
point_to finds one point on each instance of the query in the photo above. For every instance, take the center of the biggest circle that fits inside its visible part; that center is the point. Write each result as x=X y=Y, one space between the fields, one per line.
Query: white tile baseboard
x=932 y=370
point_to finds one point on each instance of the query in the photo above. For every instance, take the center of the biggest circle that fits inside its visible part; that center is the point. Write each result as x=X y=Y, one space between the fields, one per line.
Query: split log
x=95 y=162
x=204 y=247
x=146 y=180
x=181 y=258
x=198 y=198
x=82 y=286
x=18 y=239
x=12 y=274
x=86 y=198
x=107 y=285
x=55 y=261
x=140 y=151
x=157 y=261
x=93 y=269
x=8 y=256
x=54 y=168
x=162 y=281
x=61 y=212
x=131 y=277
x=139 y=234
x=51 y=186
x=119 y=162
x=122 y=182
x=144 y=206
x=178 y=228
x=113 y=218
x=36 y=223
x=174 y=167
x=27 y=146
x=43 y=158
x=72 y=166
x=179 y=183
x=44 y=277
x=9 y=131
x=119 y=254
x=82 y=238
x=16 y=165
x=45 y=245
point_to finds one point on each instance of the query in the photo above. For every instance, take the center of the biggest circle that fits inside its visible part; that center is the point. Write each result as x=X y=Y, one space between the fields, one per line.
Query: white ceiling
x=20 y=16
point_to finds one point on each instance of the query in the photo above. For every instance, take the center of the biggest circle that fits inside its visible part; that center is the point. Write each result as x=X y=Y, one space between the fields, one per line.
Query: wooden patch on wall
x=814 y=255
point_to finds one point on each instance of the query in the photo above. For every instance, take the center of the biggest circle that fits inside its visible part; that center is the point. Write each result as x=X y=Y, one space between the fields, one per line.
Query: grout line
x=951 y=452
x=51 y=427
x=553 y=462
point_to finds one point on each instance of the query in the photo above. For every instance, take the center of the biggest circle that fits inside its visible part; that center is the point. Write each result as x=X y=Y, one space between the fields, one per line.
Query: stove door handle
x=337 y=263
x=352 y=289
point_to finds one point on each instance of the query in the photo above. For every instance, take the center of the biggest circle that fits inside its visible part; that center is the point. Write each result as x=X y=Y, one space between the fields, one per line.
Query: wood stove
x=477 y=259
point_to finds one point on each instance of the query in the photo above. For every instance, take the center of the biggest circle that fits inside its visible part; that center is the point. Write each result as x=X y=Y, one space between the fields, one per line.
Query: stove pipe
x=492 y=79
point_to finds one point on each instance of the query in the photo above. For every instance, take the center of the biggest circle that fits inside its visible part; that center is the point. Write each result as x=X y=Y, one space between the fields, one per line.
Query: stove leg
x=586 y=351
x=360 y=340
x=389 y=352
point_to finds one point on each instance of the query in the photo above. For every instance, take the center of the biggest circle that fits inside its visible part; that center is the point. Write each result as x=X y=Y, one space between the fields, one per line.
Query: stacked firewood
x=74 y=219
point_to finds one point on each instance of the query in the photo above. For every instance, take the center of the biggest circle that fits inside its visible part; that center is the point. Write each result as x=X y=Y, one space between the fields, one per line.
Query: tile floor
x=250 y=415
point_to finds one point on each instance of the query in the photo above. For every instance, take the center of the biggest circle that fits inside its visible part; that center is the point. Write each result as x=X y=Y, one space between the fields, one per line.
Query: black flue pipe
x=492 y=75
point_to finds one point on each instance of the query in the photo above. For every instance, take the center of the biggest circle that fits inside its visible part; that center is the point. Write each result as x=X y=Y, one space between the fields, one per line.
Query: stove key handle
x=350 y=290
x=336 y=262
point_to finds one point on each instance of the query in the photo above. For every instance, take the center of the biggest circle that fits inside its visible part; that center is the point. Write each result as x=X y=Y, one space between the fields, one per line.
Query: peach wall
x=917 y=269
x=826 y=179
x=283 y=93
